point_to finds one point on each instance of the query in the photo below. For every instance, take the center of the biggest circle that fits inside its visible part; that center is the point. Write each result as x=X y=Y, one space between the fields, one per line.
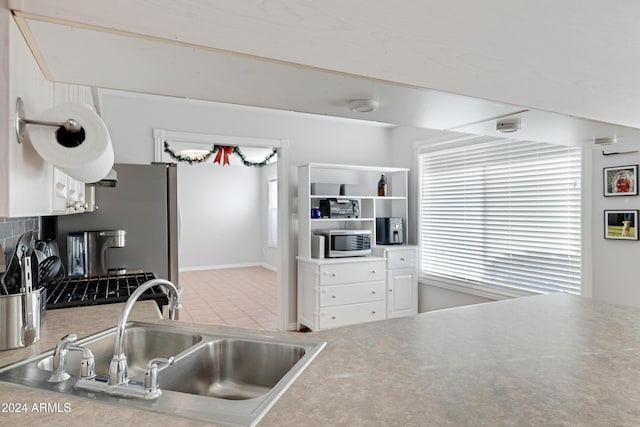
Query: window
x=501 y=218
x=273 y=213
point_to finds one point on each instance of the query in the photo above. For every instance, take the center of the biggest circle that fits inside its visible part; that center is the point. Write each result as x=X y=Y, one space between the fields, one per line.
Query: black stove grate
x=81 y=291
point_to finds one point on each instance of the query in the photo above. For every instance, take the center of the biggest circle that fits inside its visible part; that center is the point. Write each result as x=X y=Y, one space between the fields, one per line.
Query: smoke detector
x=508 y=126
x=364 y=105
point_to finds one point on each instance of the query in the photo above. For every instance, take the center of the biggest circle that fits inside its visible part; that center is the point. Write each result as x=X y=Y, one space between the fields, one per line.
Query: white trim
x=286 y=289
x=204 y=139
x=586 y=287
x=381 y=169
x=225 y=266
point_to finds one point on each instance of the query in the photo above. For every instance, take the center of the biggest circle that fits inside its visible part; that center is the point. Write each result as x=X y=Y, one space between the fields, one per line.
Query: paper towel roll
x=88 y=162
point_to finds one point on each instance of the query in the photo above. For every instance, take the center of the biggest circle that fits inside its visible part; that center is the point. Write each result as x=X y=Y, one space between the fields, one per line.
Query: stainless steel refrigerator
x=144 y=202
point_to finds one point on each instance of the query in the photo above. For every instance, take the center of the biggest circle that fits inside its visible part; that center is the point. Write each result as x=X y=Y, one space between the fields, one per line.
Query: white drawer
x=352 y=294
x=331 y=317
x=334 y=274
x=405 y=258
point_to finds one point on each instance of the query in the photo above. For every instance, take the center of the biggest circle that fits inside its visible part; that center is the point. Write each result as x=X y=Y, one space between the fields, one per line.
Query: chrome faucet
x=66 y=344
x=118 y=380
x=58 y=373
x=118 y=372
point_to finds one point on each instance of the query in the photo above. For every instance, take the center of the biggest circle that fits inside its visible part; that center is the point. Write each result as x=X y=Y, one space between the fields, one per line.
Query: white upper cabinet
x=29 y=186
x=25 y=182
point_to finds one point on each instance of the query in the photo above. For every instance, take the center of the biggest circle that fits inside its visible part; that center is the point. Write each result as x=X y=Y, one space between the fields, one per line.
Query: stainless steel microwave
x=346 y=243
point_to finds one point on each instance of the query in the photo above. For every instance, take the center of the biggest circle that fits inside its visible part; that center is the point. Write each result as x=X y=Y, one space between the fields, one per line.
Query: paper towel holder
x=70 y=133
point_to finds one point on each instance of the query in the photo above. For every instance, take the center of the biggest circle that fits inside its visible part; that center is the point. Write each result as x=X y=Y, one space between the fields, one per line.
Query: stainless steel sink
x=232 y=369
x=141 y=345
x=226 y=378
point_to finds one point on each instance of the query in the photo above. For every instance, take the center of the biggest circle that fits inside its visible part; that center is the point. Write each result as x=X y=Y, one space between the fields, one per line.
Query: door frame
x=282 y=145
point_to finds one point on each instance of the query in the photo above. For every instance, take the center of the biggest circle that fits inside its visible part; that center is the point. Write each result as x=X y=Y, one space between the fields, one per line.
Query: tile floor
x=242 y=297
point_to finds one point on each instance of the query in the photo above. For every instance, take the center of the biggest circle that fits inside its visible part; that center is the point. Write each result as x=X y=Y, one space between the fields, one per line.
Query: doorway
x=228 y=205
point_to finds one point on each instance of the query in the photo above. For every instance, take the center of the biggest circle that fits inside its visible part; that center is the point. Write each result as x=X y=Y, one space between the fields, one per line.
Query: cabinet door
x=402 y=298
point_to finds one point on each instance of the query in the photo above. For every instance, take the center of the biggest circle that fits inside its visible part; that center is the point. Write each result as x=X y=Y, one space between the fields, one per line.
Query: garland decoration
x=222 y=155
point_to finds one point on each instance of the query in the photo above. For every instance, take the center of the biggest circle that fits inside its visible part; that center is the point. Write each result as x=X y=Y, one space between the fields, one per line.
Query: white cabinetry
x=363 y=180
x=29 y=186
x=335 y=292
x=25 y=179
x=340 y=292
x=402 y=279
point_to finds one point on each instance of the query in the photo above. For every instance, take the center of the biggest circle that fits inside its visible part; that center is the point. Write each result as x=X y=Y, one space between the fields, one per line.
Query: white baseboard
x=223 y=266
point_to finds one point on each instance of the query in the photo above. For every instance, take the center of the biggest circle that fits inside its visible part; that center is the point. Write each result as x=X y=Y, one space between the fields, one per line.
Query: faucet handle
x=154 y=362
x=151 y=374
x=87 y=363
x=59 y=360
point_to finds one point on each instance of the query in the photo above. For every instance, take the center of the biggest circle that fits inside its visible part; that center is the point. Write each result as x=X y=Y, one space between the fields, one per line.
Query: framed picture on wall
x=620 y=181
x=621 y=225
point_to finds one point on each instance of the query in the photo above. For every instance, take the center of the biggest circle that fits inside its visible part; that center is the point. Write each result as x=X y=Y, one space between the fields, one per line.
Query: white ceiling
x=166 y=48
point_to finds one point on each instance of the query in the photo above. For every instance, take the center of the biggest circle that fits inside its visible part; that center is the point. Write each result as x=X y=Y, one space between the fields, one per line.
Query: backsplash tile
x=12 y=228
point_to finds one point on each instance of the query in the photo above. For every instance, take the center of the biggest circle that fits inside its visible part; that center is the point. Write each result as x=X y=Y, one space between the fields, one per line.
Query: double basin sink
x=218 y=377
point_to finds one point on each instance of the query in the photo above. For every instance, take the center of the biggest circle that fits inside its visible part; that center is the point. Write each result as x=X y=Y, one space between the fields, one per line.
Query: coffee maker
x=88 y=251
x=389 y=231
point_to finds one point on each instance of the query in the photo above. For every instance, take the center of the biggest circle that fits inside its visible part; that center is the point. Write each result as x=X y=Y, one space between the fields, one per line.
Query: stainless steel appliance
x=346 y=243
x=339 y=208
x=88 y=251
x=389 y=231
x=144 y=203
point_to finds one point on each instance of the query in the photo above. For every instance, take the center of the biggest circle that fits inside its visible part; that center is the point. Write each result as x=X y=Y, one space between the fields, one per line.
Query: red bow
x=226 y=149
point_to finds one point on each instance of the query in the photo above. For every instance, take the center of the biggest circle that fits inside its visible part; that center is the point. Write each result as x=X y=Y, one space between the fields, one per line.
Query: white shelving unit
x=343 y=291
x=371 y=205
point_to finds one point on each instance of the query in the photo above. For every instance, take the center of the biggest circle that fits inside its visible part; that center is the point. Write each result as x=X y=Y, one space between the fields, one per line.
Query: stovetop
x=80 y=291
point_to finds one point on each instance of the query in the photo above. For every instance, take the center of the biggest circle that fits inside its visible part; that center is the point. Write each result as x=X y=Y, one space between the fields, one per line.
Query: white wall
x=220 y=216
x=131 y=118
x=614 y=263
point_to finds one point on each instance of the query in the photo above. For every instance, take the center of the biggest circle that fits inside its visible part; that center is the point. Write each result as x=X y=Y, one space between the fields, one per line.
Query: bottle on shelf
x=382 y=186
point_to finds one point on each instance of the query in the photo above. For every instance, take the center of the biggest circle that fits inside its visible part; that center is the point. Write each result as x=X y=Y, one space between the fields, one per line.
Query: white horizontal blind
x=502 y=214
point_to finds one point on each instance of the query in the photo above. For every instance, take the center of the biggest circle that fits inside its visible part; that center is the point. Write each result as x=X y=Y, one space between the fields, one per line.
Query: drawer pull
x=333 y=296
x=373 y=312
x=373 y=272
x=373 y=292
x=390 y=290
x=402 y=259
x=333 y=317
